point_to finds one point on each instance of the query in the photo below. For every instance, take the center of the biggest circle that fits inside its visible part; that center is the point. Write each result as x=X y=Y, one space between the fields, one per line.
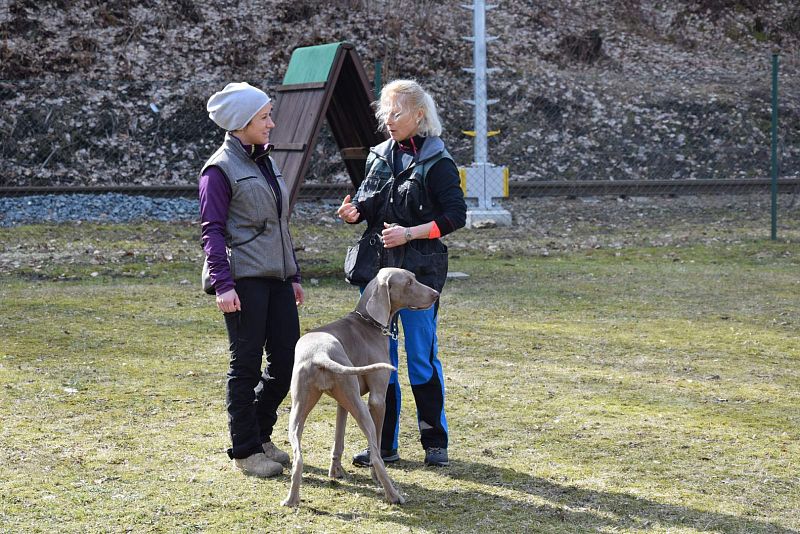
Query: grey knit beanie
x=233 y=107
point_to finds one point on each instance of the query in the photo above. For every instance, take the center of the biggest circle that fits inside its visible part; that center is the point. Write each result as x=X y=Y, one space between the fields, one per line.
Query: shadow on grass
x=591 y=509
x=357 y=480
x=573 y=508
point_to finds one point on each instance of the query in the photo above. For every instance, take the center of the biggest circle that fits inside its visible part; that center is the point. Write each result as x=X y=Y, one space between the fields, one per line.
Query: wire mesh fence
x=640 y=135
x=105 y=133
x=555 y=128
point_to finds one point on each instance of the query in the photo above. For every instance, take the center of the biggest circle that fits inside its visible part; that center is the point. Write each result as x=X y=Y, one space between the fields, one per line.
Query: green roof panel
x=311 y=64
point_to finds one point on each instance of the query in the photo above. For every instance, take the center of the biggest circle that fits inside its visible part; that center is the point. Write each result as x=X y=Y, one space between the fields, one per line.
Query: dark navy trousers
x=267 y=322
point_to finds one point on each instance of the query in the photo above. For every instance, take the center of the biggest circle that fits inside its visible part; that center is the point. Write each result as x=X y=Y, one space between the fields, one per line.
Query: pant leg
x=283 y=331
x=425 y=374
x=391 y=418
x=391 y=421
x=246 y=334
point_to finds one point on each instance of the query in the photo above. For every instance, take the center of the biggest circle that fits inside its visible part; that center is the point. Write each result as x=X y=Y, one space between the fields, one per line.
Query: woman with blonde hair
x=411 y=197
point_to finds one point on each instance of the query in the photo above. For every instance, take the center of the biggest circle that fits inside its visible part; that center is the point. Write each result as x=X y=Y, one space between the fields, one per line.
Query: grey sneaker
x=258 y=465
x=388 y=456
x=274 y=453
x=436 y=456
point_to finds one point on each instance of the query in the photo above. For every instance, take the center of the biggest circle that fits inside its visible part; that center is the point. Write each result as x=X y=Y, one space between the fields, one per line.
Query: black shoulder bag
x=367 y=256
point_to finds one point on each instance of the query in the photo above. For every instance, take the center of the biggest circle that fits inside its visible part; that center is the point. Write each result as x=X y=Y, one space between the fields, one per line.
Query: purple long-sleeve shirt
x=215 y=197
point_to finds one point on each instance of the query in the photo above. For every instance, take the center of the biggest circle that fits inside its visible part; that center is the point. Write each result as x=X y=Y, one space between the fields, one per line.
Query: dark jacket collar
x=412 y=145
x=432 y=147
x=254 y=152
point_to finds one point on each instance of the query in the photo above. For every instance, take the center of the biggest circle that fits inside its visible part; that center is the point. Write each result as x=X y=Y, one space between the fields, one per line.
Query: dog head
x=392 y=290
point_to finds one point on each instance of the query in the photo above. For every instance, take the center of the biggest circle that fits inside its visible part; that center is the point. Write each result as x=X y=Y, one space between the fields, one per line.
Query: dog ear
x=378 y=305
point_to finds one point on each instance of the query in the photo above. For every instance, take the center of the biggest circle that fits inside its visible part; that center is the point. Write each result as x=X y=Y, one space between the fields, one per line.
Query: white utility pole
x=484 y=181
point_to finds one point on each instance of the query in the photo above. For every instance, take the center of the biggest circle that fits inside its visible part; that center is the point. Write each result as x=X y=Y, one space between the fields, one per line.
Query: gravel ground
x=116 y=208
x=109 y=207
x=541 y=227
x=557 y=221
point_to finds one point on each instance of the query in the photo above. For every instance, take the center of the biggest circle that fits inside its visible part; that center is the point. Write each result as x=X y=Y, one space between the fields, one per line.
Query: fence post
x=774 y=232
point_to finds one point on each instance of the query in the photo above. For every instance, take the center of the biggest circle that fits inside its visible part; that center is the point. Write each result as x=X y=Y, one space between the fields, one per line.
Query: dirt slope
x=113 y=92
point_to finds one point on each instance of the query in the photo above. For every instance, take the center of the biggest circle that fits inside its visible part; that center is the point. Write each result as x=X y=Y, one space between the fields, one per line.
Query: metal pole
x=774 y=232
x=479 y=59
x=484 y=181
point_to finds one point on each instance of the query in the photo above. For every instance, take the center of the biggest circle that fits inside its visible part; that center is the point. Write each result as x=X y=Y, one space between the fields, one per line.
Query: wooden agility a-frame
x=325 y=81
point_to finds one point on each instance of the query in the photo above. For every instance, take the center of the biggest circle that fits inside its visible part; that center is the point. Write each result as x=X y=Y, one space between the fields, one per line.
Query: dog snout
x=430 y=296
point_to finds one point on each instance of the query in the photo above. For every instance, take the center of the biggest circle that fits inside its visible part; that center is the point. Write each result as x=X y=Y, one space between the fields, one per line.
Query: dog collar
x=385 y=330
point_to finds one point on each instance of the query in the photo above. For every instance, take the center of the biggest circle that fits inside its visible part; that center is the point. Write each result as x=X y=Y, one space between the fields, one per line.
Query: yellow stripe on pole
x=471 y=133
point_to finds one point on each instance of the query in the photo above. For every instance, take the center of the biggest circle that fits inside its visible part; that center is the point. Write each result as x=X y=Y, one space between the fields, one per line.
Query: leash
x=385 y=330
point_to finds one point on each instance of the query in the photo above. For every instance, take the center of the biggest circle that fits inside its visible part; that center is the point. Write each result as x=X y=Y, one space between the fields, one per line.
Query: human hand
x=228 y=302
x=299 y=294
x=347 y=211
x=393 y=235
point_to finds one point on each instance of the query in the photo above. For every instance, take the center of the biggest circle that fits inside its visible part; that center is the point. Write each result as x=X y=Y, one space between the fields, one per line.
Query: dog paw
x=291 y=502
x=336 y=471
x=398 y=499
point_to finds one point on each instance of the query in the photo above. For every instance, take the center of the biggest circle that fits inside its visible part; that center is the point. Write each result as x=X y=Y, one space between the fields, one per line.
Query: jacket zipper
x=280 y=224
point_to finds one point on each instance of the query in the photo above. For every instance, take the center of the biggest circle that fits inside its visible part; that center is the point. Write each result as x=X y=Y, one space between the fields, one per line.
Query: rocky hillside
x=114 y=92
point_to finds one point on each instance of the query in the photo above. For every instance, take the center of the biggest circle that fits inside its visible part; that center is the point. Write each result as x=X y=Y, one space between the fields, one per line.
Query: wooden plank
x=295 y=114
x=358 y=152
x=315 y=113
x=289 y=146
x=298 y=115
x=350 y=115
x=300 y=87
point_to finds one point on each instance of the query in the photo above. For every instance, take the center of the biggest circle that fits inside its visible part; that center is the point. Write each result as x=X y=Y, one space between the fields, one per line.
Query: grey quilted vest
x=257 y=239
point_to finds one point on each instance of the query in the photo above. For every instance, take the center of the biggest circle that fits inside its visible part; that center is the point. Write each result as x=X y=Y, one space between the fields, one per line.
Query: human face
x=257 y=130
x=402 y=122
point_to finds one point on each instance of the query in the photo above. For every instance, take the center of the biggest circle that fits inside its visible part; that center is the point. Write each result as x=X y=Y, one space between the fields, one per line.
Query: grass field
x=652 y=386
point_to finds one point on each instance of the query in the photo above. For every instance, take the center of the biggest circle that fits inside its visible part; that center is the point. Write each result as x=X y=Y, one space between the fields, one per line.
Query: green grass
x=634 y=389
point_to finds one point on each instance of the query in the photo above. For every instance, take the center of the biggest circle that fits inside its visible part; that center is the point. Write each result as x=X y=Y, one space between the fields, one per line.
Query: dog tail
x=336 y=367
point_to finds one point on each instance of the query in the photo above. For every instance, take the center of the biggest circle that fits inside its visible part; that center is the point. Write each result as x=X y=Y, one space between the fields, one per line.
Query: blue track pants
x=425 y=375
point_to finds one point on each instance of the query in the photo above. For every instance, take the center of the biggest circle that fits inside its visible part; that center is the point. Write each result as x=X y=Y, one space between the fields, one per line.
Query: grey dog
x=346 y=359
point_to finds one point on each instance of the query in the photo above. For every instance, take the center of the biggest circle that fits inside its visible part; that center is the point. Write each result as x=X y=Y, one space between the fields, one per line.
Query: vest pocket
x=430 y=266
x=411 y=199
x=374 y=182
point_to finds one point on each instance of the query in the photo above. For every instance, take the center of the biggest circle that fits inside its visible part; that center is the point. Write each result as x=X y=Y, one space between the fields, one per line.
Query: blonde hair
x=410 y=96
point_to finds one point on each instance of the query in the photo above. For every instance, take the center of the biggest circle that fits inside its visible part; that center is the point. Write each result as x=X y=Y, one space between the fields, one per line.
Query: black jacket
x=428 y=189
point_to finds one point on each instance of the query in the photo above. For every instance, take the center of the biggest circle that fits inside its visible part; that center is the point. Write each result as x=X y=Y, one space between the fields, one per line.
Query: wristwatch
x=408 y=234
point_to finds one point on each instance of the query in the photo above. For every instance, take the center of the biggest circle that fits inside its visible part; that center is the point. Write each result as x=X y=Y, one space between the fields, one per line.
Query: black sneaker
x=388 y=456
x=436 y=456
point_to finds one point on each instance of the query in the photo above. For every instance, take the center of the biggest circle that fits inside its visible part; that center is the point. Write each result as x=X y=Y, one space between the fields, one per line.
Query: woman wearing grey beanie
x=252 y=269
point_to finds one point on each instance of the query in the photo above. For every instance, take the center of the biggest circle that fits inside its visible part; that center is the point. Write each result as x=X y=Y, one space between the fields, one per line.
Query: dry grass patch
x=593 y=390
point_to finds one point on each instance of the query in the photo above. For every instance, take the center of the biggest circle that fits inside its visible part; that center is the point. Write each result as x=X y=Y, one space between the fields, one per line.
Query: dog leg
x=301 y=407
x=336 y=470
x=358 y=409
x=377 y=410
